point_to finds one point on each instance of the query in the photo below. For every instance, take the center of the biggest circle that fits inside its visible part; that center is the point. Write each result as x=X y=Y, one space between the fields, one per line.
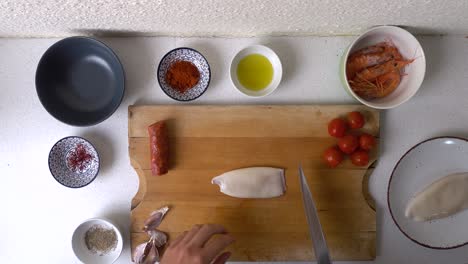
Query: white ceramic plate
x=408 y=46
x=423 y=164
x=275 y=62
x=84 y=254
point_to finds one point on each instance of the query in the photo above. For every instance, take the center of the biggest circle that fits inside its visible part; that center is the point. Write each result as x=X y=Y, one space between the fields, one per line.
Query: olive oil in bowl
x=255 y=72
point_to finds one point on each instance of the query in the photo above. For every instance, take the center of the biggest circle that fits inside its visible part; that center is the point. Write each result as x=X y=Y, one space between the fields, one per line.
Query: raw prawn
x=375 y=71
x=384 y=85
x=387 y=83
x=364 y=61
x=370 y=74
x=377 y=48
x=371 y=56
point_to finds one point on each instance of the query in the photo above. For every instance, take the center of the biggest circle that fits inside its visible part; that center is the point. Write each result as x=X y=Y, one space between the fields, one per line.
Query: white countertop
x=39 y=215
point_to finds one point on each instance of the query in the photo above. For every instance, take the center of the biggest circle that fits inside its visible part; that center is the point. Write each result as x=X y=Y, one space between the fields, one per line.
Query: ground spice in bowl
x=182 y=75
x=100 y=240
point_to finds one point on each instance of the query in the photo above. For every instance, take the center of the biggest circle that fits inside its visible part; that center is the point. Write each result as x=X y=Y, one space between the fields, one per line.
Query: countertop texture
x=39 y=215
x=233 y=18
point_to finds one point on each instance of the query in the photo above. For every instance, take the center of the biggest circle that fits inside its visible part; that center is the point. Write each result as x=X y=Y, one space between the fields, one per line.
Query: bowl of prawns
x=384 y=67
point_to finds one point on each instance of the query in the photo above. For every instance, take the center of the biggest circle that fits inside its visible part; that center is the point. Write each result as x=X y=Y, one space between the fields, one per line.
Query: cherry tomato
x=355 y=120
x=337 y=127
x=367 y=142
x=332 y=156
x=348 y=144
x=360 y=158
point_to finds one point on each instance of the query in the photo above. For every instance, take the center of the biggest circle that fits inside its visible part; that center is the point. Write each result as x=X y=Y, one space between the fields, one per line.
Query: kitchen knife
x=315 y=229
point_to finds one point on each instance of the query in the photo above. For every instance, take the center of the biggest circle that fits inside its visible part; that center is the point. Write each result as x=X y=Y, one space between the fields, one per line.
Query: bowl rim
x=388 y=192
x=184 y=48
x=261 y=47
x=91 y=40
x=98 y=161
x=346 y=56
x=108 y=222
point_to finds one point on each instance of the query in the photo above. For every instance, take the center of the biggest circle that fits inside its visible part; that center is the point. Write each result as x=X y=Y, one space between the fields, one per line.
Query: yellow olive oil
x=255 y=72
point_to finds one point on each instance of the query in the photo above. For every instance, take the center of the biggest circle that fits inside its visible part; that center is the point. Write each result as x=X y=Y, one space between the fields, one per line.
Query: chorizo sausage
x=159 y=148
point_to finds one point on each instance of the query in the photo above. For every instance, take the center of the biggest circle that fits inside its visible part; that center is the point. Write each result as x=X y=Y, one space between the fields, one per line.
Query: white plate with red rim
x=423 y=164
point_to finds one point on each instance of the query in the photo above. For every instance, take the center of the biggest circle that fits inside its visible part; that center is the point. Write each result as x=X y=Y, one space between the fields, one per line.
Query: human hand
x=199 y=246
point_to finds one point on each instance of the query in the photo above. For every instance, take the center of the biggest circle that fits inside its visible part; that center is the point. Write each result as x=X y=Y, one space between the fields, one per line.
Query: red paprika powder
x=182 y=75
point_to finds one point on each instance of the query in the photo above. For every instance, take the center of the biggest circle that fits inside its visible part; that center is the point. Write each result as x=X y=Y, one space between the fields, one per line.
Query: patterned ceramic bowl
x=190 y=55
x=74 y=162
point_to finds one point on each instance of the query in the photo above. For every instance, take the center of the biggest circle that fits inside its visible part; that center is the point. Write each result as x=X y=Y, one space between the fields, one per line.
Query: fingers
x=216 y=245
x=205 y=233
x=191 y=234
x=202 y=243
x=178 y=239
x=221 y=259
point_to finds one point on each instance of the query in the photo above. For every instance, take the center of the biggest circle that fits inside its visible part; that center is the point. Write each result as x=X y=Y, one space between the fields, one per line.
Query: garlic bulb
x=147 y=253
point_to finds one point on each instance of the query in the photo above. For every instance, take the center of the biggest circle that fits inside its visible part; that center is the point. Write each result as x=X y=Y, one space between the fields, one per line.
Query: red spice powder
x=182 y=76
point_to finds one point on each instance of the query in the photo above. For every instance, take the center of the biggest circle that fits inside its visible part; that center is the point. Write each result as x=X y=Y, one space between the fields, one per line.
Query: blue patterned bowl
x=74 y=162
x=190 y=55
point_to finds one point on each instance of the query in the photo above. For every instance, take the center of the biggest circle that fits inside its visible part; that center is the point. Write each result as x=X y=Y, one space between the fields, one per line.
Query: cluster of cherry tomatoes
x=357 y=147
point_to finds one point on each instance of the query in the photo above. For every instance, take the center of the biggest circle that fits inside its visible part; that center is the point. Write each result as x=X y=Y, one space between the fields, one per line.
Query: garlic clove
x=153 y=255
x=155 y=219
x=146 y=253
x=159 y=238
x=141 y=252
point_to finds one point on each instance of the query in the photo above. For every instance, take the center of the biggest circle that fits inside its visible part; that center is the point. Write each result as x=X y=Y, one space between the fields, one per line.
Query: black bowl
x=80 y=81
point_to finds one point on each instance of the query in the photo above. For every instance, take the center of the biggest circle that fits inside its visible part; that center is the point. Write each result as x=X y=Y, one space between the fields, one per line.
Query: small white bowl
x=275 y=62
x=84 y=254
x=408 y=46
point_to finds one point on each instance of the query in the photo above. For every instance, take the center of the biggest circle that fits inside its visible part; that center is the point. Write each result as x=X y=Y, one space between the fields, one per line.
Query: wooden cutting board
x=206 y=141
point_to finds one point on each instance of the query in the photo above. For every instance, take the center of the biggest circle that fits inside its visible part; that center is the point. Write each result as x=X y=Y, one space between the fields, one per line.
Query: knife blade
x=315 y=229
